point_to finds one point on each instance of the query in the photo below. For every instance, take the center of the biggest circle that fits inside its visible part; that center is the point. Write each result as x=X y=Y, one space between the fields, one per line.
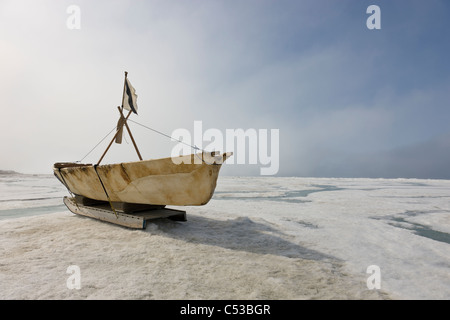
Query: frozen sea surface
x=28 y=195
x=258 y=238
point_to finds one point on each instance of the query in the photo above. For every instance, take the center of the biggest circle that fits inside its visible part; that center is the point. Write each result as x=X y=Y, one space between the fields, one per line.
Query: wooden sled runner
x=133 y=216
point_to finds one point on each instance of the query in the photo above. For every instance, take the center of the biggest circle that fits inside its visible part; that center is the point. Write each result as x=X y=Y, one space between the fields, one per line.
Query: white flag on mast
x=129 y=97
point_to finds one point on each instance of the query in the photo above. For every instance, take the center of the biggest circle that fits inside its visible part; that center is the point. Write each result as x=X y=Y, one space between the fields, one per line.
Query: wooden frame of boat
x=131 y=193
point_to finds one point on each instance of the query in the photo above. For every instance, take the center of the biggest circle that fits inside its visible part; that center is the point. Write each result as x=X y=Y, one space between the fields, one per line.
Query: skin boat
x=180 y=181
x=130 y=193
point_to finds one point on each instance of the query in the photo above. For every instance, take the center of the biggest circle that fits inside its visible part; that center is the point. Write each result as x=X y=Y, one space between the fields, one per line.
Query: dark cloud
x=424 y=160
x=348 y=101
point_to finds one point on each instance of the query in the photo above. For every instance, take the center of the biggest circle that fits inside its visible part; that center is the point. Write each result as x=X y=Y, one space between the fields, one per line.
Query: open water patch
x=31 y=211
x=421 y=229
x=291 y=196
x=400 y=221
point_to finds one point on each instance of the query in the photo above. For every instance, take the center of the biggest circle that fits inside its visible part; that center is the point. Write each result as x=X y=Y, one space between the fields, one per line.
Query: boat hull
x=180 y=181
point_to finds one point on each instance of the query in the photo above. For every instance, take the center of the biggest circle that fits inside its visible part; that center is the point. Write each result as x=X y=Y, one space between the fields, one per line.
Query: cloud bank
x=348 y=101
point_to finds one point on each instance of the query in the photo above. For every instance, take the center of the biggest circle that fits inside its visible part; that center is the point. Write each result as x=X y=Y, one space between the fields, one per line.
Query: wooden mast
x=122 y=122
x=114 y=138
x=124 y=86
x=129 y=132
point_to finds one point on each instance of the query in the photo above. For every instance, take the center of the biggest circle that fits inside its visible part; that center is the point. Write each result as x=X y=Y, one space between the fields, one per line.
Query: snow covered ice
x=258 y=238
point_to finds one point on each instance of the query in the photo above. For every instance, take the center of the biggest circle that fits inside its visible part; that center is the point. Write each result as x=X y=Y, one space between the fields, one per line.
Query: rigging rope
x=106 y=193
x=97 y=144
x=161 y=133
x=166 y=135
x=154 y=130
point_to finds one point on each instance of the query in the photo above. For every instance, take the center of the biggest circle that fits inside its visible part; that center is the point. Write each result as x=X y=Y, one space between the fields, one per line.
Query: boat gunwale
x=74 y=165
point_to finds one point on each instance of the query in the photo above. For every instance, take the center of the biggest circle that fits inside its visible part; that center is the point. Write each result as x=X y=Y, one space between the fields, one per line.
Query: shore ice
x=258 y=238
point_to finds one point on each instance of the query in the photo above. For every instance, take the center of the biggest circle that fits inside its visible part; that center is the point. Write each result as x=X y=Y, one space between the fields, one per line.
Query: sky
x=347 y=101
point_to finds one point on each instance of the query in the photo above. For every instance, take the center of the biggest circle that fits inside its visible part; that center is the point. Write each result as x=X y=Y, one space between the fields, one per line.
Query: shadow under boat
x=241 y=234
